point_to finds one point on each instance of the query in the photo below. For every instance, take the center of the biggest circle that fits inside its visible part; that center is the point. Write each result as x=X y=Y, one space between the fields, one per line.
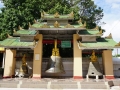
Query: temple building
x=73 y=49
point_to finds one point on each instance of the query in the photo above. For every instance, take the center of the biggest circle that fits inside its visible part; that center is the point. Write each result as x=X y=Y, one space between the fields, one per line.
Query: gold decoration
x=69 y=26
x=45 y=26
x=55 y=50
x=118 y=44
x=34 y=43
x=35 y=21
x=96 y=28
x=100 y=32
x=9 y=36
x=14 y=31
x=23 y=67
x=56 y=24
x=19 y=28
x=29 y=24
x=93 y=58
x=109 y=36
x=84 y=24
x=56 y=15
x=24 y=60
x=42 y=14
x=80 y=21
x=81 y=45
x=71 y=15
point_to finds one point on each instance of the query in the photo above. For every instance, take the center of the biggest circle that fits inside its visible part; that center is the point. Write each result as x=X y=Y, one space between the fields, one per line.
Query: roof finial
x=9 y=36
x=30 y=25
x=109 y=36
x=14 y=30
x=35 y=21
x=71 y=14
x=56 y=24
x=100 y=32
x=118 y=44
x=56 y=15
x=20 y=28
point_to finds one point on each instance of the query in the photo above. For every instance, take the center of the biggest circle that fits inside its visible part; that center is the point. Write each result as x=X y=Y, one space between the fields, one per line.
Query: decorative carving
x=19 y=28
x=56 y=24
x=42 y=15
x=56 y=15
x=9 y=36
x=109 y=36
x=118 y=44
x=35 y=21
x=69 y=26
x=55 y=50
x=29 y=24
x=96 y=28
x=80 y=21
x=45 y=26
x=14 y=31
x=93 y=57
x=100 y=32
x=81 y=45
x=71 y=15
x=84 y=24
x=34 y=43
x=23 y=67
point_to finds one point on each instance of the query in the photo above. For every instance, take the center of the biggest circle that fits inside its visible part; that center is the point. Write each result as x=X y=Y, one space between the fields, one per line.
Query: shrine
x=57 y=47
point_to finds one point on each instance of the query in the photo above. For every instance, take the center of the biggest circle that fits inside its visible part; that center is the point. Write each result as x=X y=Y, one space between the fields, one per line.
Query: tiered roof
x=89 y=38
x=19 y=42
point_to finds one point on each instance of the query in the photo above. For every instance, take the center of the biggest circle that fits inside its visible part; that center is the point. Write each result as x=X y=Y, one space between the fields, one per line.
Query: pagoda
x=74 y=36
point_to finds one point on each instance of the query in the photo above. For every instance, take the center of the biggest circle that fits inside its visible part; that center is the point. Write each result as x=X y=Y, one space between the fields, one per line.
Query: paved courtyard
x=54 y=83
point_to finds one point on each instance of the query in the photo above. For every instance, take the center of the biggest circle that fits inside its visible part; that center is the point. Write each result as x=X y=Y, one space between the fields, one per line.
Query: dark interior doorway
x=1 y=58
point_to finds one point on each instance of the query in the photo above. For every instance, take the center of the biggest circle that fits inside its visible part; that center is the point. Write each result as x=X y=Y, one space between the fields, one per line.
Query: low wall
x=68 y=66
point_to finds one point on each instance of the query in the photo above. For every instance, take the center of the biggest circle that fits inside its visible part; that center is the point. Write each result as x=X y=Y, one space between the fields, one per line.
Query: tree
x=18 y=12
x=88 y=11
x=21 y=12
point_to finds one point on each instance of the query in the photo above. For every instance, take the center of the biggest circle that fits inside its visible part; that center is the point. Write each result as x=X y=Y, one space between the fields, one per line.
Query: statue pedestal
x=94 y=70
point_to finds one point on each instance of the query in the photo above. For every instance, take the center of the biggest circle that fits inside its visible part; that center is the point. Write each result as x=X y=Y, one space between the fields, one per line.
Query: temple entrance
x=66 y=55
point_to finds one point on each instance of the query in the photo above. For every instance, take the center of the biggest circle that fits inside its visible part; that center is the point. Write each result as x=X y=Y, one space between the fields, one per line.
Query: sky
x=111 y=10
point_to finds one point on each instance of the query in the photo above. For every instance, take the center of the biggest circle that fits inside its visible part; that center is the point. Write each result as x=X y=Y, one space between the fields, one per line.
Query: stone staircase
x=57 y=84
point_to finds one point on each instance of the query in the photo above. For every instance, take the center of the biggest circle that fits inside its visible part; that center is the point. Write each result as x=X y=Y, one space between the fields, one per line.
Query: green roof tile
x=88 y=32
x=101 y=43
x=25 y=32
x=38 y=25
x=14 y=42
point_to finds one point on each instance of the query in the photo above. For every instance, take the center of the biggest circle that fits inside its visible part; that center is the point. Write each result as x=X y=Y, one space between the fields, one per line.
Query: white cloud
x=114 y=29
x=112 y=1
x=115 y=5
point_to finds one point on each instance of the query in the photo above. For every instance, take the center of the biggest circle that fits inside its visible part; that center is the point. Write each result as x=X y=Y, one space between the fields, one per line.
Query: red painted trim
x=7 y=76
x=109 y=77
x=52 y=41
x=36 y=77
x=78 y=77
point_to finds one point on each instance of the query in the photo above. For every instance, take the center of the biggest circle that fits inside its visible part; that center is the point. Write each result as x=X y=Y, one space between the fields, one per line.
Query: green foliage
x=20 y=12
x=88 y=12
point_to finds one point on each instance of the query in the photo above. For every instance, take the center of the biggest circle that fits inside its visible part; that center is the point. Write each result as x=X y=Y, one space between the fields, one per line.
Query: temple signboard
x=66 y=44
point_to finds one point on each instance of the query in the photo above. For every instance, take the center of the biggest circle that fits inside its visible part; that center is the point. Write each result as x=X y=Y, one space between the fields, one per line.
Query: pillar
x=77 y=63
x=108 y=64
x=37 y=61
x=9 y=67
